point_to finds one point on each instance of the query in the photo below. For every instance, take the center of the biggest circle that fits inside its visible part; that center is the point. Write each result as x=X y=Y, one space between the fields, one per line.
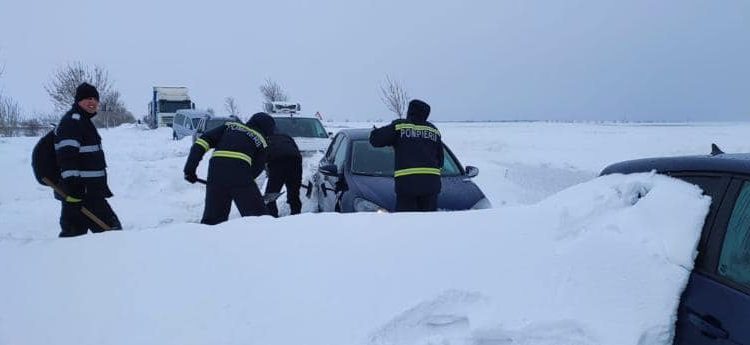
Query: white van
x=186 y=122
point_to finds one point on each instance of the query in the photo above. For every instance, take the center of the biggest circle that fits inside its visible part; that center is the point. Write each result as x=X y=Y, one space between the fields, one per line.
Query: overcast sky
x=471 y=60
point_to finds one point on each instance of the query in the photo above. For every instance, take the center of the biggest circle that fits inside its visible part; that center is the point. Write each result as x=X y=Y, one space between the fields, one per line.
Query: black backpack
x=44 y=159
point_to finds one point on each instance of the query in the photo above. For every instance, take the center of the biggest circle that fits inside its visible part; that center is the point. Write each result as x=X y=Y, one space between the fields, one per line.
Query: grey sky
x=481 y=60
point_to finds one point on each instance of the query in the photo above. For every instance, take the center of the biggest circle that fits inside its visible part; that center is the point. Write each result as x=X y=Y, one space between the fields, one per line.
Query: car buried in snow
x=307 y=131
x=354 y=176
x=715 y=306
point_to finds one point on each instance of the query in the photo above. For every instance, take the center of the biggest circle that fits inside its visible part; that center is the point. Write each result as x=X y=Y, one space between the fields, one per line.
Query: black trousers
x=219 y=202
x=74 y=223
x=411 y=203
x=285 y=172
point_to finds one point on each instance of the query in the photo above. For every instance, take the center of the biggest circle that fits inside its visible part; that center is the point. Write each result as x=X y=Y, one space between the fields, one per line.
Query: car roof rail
x=715 y=150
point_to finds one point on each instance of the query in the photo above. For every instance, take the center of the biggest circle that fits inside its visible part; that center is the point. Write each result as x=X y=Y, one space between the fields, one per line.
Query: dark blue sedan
x=715 y=306
x=354 y=176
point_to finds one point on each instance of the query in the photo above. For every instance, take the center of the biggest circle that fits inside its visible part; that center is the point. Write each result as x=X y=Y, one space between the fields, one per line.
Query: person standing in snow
x=419 y=158
x=284 y=167
x=83 y=173
x=239 y=156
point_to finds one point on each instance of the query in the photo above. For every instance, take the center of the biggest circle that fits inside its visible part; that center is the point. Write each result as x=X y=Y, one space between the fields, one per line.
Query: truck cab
x=165 y=102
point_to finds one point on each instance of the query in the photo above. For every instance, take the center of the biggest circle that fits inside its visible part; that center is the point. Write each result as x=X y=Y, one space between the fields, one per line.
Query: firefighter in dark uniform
x=419 y=158
x=284 y=167
x=83 y=173
x=239 y=157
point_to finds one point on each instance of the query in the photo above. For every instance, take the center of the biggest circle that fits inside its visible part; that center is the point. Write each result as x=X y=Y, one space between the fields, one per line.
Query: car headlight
x=364 y=205
x=482 y=204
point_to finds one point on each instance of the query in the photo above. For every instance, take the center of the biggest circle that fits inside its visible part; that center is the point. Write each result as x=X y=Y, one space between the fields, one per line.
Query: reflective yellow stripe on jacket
x=254 y=132
x=233 y=154
x=416 y=171
x=204 y=144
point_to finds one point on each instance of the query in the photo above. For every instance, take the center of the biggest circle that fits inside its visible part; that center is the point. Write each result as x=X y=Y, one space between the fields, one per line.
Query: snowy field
x=562 y=258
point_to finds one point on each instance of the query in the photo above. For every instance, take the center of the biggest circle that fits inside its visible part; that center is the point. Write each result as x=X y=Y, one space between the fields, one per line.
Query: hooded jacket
x=240 y=151
x=418 y=149
x=80 y=157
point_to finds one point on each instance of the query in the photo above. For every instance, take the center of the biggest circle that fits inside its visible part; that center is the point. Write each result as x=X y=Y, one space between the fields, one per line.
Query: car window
x=196 y=121
x=340 y=155
x=300 y=127
x=713 y=186
x=178 y=119
x=332 y=148
x=450 y=167
x=379 y=161
x=734 y=262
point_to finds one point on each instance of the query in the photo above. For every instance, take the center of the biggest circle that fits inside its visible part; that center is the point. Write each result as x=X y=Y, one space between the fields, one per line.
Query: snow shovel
x=270 y=197
x=84 y=210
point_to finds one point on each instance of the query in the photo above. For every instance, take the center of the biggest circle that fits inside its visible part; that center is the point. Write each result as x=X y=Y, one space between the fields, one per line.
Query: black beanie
x=86 y=90
x=418 y=110
x=264 y=122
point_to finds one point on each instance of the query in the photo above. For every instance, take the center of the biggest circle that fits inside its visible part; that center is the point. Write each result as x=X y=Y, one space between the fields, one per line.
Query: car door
x=332 y=187
x=715 y=307
x=326 y=184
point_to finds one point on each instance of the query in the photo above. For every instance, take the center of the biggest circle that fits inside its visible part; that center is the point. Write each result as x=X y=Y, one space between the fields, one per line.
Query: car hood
x=308 y=146
x=457 y=193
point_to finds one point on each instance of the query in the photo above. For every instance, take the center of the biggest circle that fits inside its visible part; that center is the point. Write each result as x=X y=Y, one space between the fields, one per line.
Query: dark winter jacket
x=281 y=148
x=240 y=152
x=418 y=149
x=80 y=156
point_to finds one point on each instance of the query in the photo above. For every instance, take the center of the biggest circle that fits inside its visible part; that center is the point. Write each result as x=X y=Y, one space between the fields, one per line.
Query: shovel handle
x=84 y=210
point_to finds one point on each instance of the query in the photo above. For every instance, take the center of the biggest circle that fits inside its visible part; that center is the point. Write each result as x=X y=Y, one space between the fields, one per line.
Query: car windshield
x=378 y=161
x=196 y=121
x=300 y=127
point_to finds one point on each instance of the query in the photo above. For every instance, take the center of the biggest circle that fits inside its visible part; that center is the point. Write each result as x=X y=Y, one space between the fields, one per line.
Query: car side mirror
x=471 y=171
x=330 y=134
x=329 y=170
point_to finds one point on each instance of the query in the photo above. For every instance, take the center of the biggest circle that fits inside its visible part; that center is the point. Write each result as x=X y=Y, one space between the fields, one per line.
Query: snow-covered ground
x=563 y=258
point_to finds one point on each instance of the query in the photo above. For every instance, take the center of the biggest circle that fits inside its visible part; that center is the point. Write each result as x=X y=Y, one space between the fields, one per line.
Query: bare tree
x=62 y=88
x=112 y=112
x=394 y=96
x=10 y=117
x=230 y=105
x=273 y=92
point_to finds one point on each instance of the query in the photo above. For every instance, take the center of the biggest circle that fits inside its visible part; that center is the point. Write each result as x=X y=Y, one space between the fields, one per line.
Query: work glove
x=73 y=201
x=74 y=192
x=191 y=177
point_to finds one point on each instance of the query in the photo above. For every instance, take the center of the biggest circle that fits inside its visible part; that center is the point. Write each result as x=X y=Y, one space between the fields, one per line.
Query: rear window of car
x=379 y=161
x=300 y=127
